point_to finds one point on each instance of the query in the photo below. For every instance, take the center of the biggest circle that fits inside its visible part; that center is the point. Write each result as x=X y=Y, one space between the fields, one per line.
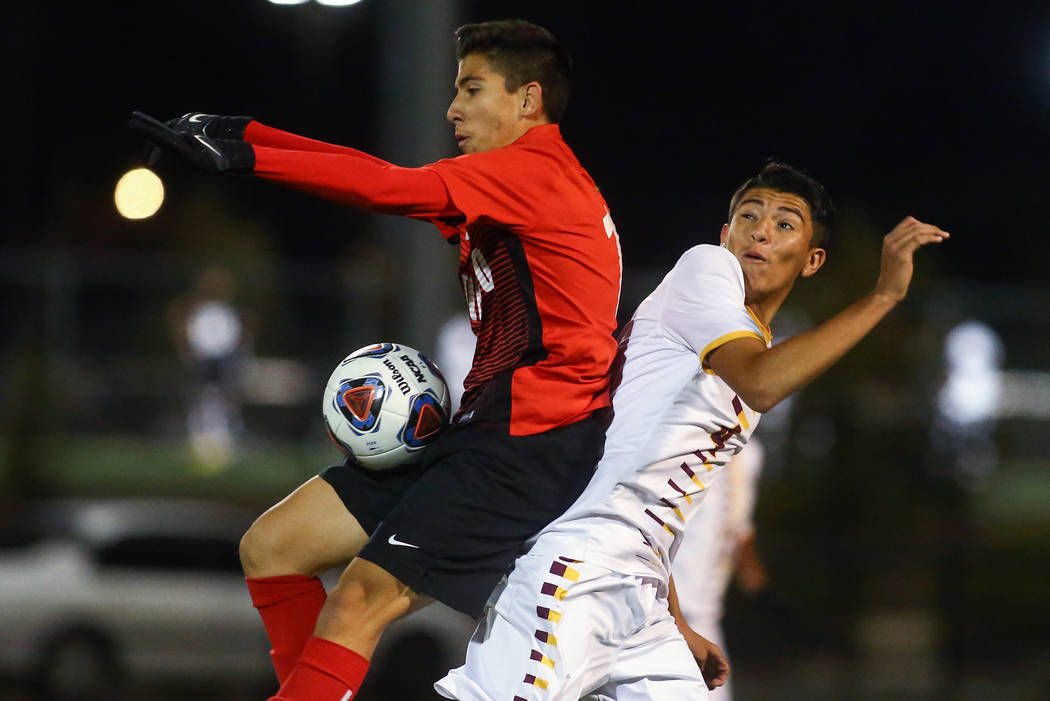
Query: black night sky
x=939 y=110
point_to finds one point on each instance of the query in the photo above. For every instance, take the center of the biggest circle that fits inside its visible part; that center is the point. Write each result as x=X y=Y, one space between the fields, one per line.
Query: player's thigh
x=498 y=665
x=553 y=633
x=307 y=532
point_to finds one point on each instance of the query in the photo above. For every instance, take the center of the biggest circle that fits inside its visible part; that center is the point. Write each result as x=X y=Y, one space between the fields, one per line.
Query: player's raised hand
x=898 y=250
x=211 y=154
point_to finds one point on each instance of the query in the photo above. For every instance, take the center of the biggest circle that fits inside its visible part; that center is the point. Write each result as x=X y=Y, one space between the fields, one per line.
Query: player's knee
x=252 y=553
x=266 y=551
x=363 y=604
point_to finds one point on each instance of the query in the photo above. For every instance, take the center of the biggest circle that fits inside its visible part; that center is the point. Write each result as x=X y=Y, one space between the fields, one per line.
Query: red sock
x=325 y=671
x=288 y=606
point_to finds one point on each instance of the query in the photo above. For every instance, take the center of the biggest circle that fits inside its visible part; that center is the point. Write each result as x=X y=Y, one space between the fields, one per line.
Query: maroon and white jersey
x=676 y=422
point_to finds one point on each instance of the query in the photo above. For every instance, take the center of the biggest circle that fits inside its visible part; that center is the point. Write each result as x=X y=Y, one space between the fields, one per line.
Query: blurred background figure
x=967 y=404
x=213 y=341
x=962 y=457
x=720 y=542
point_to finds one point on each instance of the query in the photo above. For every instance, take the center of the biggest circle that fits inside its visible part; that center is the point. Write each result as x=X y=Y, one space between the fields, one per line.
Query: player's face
x=485 y=115
x=771 y=234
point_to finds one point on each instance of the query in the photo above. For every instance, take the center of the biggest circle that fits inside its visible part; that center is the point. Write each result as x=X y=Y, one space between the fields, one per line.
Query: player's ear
x=531 y=95
x=816 y=259
x=723 y=238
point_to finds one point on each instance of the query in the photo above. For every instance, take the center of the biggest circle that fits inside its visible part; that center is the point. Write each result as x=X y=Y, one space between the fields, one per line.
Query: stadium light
x=138 y=194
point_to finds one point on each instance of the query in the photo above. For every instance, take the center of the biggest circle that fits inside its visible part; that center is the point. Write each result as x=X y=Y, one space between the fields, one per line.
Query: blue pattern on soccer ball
x=418 y=404
x=370 y=421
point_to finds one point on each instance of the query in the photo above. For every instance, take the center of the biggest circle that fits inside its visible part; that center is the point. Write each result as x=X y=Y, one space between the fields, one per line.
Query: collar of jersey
x=766 y=332
x=551 y=132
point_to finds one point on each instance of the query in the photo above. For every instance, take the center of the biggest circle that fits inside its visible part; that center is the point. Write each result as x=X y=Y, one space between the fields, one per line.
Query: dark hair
x=522 y=52
x=784 y=178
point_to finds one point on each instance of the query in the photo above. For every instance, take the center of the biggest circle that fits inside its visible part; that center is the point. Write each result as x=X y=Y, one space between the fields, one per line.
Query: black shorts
x=451 y=526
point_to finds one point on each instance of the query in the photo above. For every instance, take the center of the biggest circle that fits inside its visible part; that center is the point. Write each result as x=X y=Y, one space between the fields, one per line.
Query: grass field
x=259 y=472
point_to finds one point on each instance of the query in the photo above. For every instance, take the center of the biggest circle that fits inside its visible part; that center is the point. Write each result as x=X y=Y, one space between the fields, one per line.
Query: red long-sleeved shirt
x=347 y=175
x=539 y=261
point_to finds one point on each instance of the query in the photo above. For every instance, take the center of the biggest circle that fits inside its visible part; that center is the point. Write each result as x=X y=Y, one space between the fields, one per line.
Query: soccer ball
x=384 y=403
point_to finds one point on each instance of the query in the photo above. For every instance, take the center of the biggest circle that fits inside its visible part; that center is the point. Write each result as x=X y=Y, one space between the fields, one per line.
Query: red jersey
x=539 y=262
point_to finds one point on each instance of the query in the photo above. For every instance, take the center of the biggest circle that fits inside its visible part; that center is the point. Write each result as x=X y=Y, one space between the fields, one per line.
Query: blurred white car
x=97 y=593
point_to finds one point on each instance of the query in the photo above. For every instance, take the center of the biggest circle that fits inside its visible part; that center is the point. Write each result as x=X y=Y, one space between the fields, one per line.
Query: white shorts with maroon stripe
x=563 y=630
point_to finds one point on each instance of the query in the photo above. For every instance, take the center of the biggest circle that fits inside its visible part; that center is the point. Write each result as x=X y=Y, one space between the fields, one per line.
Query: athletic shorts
x=562 y=630
x=451 y=527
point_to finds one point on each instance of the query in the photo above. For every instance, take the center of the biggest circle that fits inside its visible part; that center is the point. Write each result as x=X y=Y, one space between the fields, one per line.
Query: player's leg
x=321 y=525
x=554 y=632
x=368 y=597
x=452 y=535
x=335 y=659
x=366 y=600
x=308 y=532
x=283 y=553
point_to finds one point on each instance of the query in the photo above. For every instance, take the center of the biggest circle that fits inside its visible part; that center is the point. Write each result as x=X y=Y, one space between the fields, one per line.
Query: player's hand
x=216 y=126
x=709 y=658
x=898 y=250
x=213 y=155
x=212 y=125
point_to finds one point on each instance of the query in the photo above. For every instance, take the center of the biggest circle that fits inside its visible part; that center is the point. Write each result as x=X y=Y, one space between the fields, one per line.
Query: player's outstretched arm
x=763 y=377
x=239 y=128
x=709 y=657
x=333 y=172
x=259 y=134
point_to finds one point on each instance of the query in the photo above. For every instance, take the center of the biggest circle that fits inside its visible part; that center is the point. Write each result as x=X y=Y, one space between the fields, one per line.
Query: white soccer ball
x=384 y=403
